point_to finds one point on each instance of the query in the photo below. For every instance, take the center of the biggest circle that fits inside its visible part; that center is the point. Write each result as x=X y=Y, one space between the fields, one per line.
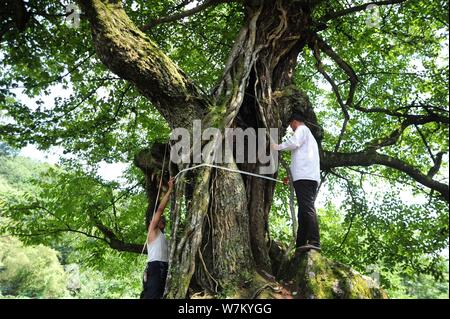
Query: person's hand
x=170 y=183
x=286 y=180
x=274 y=146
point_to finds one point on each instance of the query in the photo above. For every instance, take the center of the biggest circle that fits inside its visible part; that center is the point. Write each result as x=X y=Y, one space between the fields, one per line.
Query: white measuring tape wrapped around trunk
x=227 y=169
x=198 y=166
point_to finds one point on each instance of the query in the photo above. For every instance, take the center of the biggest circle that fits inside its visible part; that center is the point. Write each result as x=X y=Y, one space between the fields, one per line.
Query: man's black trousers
x=154 y=280
x=308 y=227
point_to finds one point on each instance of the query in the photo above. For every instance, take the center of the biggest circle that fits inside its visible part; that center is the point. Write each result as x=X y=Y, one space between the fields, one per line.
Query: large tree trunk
x=219 y=219
x=229 y=235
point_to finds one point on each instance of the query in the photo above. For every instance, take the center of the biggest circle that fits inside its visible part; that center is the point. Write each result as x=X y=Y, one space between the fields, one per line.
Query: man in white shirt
x=305 y=170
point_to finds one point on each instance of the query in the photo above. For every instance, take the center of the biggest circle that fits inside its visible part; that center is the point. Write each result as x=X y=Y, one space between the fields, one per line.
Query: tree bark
x=219 y=241
x=133 y=56
x=369 y=158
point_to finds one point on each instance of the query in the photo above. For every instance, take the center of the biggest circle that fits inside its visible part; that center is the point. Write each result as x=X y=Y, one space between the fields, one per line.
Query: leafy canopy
x=55 y=91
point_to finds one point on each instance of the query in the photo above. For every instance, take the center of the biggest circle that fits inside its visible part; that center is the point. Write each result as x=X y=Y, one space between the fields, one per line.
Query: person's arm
x=292 y=143
x=157 y=215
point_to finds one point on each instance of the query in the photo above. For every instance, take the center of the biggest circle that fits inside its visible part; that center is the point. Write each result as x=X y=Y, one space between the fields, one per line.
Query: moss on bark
x=312 y=276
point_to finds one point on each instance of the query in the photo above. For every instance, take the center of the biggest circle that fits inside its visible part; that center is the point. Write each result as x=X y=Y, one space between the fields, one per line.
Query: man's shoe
x=308 y=247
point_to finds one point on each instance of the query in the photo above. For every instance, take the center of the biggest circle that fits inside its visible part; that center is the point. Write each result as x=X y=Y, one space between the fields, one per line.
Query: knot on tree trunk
x=291 y=99
x=150 y=162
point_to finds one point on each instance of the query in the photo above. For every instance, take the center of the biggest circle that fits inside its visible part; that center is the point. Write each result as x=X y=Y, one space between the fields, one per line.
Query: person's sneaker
x=308 y=247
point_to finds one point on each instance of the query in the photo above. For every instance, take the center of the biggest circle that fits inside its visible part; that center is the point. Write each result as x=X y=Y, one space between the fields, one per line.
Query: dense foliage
x=67 y=266
x=54 y=91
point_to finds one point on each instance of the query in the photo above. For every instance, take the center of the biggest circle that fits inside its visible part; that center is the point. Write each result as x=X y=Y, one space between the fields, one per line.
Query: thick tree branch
x=396 y=134
x=133 y=56
x=320 y=45
x=393 y=179
x=333 y=15
x=348 y=70
x=109 y=236
x=425 y=142
x=437 y=165
x=431 y=110
x=45 y=232
x=367 y=158
x=184 y=14
x=114 y=242
x=340 y=102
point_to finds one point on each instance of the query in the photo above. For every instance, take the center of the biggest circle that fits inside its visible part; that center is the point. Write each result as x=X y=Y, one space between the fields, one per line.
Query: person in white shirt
x=305 y=170
x=155 y=274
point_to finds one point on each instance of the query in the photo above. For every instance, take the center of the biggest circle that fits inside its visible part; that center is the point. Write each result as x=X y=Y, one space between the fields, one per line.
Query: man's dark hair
x=297 y=117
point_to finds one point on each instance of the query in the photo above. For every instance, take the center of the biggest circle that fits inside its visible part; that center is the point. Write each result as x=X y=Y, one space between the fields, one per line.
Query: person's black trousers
x=154 y=280
x=308 y=227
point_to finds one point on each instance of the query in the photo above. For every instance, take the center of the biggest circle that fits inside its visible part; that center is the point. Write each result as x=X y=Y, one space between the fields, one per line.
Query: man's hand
x=274 y=146
x=286 y=181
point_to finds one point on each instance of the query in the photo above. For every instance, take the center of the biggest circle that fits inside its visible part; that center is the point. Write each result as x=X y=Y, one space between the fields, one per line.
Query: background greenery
x=67 y=266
